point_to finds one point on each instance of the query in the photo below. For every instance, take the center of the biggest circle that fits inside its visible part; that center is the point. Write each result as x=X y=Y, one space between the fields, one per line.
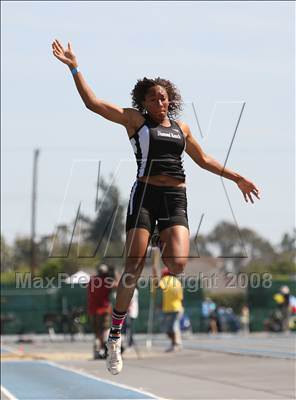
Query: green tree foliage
x=22 y=250
x=102 y=240
x=6 y=256
x=276 y=268
x=256 y=246
x=226 y=237
x=288 y=242
x=282 y=262
x=51 y=268
x=239 y=246
x=232 y=241
x=283 y=267
x=107 y=229
x=199 y=246
x=87 y=241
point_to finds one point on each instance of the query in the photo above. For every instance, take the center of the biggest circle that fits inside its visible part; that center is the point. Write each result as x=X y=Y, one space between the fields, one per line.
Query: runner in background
x=99 y=289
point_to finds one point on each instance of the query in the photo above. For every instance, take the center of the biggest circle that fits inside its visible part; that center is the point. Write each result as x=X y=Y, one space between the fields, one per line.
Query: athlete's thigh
x=137 y=240
x=140 y=212
x=175 y=242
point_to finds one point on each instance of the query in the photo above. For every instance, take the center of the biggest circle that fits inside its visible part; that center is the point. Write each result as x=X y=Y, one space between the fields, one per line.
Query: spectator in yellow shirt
x=172 y=307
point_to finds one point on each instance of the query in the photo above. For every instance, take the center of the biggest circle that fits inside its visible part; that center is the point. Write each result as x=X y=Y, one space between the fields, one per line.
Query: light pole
x=33 y=213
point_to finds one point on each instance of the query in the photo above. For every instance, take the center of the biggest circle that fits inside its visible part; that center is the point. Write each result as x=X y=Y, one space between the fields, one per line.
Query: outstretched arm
x=127 y=117
x=194 y=150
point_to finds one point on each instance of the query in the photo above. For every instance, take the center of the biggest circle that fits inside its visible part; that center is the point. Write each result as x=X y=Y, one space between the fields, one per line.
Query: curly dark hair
x=143 y=85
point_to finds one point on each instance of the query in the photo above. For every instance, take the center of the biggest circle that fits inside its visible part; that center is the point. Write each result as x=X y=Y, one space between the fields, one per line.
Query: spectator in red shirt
x=99 y=289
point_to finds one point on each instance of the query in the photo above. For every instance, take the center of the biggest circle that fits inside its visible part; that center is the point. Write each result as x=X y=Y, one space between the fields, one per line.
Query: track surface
x=43 y=380
x=222 y=367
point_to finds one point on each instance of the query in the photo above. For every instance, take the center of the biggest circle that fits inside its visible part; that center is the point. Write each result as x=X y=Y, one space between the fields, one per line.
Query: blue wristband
x=75 y=71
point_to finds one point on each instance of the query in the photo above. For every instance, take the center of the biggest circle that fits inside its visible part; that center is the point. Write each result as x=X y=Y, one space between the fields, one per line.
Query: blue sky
x=219 y=54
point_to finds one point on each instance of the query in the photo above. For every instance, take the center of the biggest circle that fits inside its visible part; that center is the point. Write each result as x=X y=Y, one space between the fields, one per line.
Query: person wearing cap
x=285 y=307
x=99 y=289
x=172 y=307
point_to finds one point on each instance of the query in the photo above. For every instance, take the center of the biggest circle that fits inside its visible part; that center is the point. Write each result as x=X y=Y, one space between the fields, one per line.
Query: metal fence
x=28 y=310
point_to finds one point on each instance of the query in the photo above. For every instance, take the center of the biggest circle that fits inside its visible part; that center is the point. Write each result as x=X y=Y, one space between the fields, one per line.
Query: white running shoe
x=114 y=359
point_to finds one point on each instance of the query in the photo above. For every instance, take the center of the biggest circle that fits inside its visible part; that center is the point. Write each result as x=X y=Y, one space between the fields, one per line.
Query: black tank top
x=159 y=150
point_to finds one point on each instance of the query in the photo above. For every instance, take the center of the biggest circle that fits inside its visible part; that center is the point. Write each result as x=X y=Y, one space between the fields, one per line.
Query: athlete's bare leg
x=137 y=240
x=175 y=247
x=135 y=254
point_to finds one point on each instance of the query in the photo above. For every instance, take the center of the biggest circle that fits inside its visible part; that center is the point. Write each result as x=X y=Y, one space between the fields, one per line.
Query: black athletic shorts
x=149 y=204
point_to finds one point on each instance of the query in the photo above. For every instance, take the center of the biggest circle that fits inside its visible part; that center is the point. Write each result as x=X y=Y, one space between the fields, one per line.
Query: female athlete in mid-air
x=159 y=193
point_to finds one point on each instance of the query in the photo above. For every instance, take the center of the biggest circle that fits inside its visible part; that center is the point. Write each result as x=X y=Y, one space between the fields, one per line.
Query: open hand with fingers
x=66 y=56
x=248 y=189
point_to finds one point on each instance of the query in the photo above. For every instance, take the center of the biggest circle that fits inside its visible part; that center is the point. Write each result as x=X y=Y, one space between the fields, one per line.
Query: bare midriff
x=162 y=180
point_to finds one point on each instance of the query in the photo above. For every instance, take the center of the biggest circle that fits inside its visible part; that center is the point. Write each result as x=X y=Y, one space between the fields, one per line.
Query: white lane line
x=11 y=350
x=7 y=393
x=123 y=386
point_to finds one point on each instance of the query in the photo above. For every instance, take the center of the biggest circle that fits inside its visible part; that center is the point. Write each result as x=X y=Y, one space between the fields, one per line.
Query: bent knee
x=175 y=265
